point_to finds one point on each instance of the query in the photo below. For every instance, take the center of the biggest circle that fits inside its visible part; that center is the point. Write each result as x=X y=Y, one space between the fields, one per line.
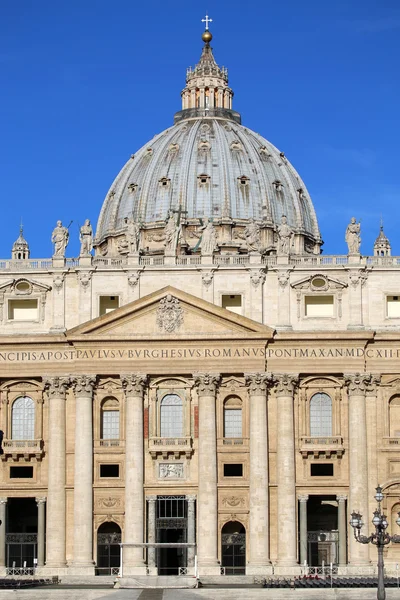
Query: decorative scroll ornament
x=207 y=278
x=357 y=383
x=58 y=281
x=285 y=384
x=283 y=278
x=258 y=383
x=56 y=387
x=133 y=278
x=233 y=501
x=373 y=385
x=169 y=314
x=170 y=471
x=83 y=384
x=109 y=502
x=84 y=278
x=257 y=277
x=206 y=383
x=134 y=384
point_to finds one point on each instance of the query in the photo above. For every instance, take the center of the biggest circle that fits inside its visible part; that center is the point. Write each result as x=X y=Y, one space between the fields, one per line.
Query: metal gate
x=21 y=552
x=233 y=553
x=108 y=553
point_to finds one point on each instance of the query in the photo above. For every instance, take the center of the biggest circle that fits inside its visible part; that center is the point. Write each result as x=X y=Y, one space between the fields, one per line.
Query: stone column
x=191 y=528
x=372 y=444
x=83 y=476
x=257 y=278
x=357 y=279
x=358 y=460
x=134 y=385
x=41 y=504
x=283 y=300
x=258 y=475
x=285 y=472
x=342 y=527
x=207 y=509
x=3 y=506
x=303 y=529
x=56 y=514
x=151 y=533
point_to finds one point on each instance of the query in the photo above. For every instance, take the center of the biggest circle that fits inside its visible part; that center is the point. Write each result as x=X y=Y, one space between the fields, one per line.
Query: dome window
x=265 y=155
x=243 y=180
x=301 y=194
x=173 y=148
x=132 y=187
x=236 y=145
x=164 y=182
x=203 y=179
x=278 y=185
x=204 y=146
x=149 y=152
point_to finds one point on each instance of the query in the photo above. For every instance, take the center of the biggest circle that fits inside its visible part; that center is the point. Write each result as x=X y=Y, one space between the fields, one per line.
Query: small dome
x=20 y=249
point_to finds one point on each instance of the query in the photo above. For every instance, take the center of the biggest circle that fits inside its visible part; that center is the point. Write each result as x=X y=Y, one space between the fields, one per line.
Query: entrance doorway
x=233 y=551
x=322 y=534
x=108 y=549
x=21 y=535
x=171 y=527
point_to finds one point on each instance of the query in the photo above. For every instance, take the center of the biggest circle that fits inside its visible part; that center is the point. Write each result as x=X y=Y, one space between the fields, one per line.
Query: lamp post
x=380 y=538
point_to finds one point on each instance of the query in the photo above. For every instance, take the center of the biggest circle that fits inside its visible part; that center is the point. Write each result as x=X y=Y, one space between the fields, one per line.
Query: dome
x=208 y=165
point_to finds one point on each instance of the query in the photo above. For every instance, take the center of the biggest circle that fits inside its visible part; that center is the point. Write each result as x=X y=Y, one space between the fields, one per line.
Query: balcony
x=22 y=449
x=112 y=445
x=323 y=446
x=237 y=444
x=165 y=447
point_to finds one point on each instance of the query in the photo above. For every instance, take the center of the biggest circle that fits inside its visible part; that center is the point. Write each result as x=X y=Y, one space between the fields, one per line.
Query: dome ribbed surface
x=209 y=167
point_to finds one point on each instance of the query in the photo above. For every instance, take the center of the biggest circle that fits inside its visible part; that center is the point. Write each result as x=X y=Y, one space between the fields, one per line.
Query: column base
x=78 y=570
x=262 y=569
x=208 y=569
x=287 y=569
x=134 y=571
x=56 y=570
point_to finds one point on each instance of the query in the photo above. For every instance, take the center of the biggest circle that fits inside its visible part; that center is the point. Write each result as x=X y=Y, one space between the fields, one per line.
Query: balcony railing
x=22 y=448
x=166 y=446
x=321 y=445
x=108 y=445
x=238 y=442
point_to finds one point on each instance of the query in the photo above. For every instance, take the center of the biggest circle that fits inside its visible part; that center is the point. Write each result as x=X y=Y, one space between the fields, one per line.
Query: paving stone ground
x=233 y=593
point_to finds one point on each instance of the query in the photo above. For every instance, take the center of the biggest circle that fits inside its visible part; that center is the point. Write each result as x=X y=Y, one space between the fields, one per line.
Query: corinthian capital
x=372 y=387
x=357 y=383
x=258 y=383
x=134 y=383
x=83 y=385
x=206 y=383
x=285 y=384
x=56 y=387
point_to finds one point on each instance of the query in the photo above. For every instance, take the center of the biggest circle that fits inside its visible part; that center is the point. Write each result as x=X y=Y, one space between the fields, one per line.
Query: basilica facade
x=201 y=392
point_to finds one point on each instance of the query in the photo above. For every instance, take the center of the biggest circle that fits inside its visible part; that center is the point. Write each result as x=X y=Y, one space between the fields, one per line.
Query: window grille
x=321 y=415
x=171 y=507
x=233 y=422
x=23 y=419
x=110 y=424
x=171 y=416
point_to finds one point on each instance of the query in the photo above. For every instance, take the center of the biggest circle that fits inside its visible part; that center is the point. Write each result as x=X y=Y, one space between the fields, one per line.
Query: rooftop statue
x=171 y=234
x=353 y=237
x=208 y=241
x=285 y=235
x=252 y=235
x=133 y=234
x=86 y=238
x=60 y=237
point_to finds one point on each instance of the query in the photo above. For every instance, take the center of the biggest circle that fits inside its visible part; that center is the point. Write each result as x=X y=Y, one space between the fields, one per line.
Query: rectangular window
x=107 y=304
x=318 y=306
x=232 y=302
x=393 y=307
x=233 y=470
x=23 y=310
x=21 y=472
x=109 y=471
x=322 y=470
x=110 y=425
x=233 y=422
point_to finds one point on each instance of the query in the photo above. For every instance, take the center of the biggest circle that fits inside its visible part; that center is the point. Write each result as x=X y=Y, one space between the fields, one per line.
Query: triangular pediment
x=318 y=283
x=169 y=312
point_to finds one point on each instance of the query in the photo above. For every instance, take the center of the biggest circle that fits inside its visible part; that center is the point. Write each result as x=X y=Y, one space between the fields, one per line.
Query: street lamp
x=380 y=538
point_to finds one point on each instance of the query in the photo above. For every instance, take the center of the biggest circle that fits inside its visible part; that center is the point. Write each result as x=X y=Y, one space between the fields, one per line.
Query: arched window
x=394 y=416
x=320 y=415
x=171 y=416
x=23 y=419
x=233 y=418
x=110 y=419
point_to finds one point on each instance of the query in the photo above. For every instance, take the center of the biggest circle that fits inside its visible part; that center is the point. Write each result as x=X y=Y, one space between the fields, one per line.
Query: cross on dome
x=207 y=20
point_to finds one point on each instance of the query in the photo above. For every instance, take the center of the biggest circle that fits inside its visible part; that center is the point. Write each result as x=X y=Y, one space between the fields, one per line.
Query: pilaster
x=41 y=504
x=3 y=506
x=303 y=499
x=342 y=527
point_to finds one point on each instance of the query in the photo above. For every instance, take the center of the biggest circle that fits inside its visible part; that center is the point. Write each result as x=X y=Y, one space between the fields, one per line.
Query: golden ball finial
x=206 y=37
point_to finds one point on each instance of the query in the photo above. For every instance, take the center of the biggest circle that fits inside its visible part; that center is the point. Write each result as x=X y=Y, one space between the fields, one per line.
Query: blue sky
x=86 y=83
